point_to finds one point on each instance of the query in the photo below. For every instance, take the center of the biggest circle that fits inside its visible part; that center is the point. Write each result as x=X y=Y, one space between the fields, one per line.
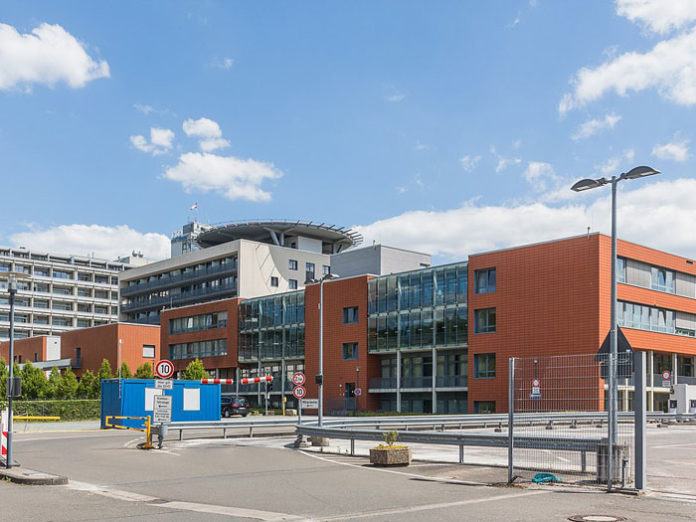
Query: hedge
x=67 y=410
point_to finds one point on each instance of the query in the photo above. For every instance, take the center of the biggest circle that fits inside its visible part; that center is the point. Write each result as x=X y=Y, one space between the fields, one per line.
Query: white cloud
x=224 y=63
x=232 y=177
x=538 y=173
x=209 y=132
x=160 y=141
x=202 y=128
x=669 y=67
x=469 y=163
x=660 y=16
x=102 y=241
x=49 y=55
x=504 y=163
x=145 y=109
x=644 y=215
x=612 y=165
x=675 y=151
x=395 y=95
x=592 y=127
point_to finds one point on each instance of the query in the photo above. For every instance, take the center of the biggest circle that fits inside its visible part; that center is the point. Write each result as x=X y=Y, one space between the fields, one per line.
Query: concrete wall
x=377 y=260
x=258 y=262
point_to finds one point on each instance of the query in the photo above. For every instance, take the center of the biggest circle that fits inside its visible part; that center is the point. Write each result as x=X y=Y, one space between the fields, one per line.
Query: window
x=484 y=406
x=149 y=351
x=293 y=284
x=83 y=323
x=292 y=264
x=84 y=292
x=325 y=269
x=484 y=281
x=484 y=320
x=309 y=268
x=350 y=351
x=62 y=274
x=350 y=315
x=484 y=366
x=274 y=281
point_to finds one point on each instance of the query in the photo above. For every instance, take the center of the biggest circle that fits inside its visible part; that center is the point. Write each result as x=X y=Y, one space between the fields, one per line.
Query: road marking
x=428 y=507
x=230 y=511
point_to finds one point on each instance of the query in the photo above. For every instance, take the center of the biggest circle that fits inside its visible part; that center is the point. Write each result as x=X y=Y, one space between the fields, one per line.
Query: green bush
x=67 y=410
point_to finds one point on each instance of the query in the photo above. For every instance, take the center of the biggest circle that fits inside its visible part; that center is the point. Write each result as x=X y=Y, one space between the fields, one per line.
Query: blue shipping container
x=192 y=401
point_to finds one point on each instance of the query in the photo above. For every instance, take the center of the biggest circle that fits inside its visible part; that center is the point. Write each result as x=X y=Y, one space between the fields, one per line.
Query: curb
x=31 y=477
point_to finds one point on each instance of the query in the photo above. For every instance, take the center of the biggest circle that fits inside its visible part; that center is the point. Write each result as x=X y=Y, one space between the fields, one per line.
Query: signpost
x=310 y=404
x=298 y=392
x=666 y=379
x=164 y=369
x=536 y=389
x=164 y=384
x=162 y=409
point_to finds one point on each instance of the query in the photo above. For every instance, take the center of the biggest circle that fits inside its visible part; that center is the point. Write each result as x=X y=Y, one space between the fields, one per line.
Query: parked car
x=234 y=406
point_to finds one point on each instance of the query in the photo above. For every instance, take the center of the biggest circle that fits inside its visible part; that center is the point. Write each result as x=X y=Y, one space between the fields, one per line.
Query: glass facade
x=272 y=327
x=642 y=317
x=424 y=308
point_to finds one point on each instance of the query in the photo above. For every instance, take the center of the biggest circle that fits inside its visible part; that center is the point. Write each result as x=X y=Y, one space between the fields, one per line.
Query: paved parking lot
x=263 y=479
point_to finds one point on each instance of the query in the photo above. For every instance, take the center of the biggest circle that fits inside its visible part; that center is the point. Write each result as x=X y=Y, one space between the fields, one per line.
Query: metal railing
x=166 y=282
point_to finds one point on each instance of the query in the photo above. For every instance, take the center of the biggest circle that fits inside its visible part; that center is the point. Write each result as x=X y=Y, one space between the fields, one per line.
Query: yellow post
x=284 y=400
x=148 y=435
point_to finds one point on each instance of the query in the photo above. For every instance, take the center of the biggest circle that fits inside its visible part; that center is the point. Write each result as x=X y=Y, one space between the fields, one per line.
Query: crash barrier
x=583 y=445
x=250 y=380
x=425 y=422
x=146 y=428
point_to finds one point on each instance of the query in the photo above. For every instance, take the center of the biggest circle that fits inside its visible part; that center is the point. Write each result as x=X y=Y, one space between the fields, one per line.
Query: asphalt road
x=262 y=479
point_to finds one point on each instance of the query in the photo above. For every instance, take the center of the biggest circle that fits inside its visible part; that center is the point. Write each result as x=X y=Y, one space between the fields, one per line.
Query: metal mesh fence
x=560 y=424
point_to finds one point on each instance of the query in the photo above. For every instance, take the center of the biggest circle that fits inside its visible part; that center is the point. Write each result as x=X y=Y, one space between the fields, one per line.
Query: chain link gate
x=551 y=438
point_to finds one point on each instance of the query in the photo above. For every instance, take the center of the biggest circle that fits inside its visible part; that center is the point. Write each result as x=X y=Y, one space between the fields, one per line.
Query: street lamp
x=580 y=186
x=12 y=288
x=320 y=377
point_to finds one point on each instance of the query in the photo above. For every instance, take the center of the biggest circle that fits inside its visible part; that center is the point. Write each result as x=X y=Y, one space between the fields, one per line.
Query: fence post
x=511 y=416
x=640 y=422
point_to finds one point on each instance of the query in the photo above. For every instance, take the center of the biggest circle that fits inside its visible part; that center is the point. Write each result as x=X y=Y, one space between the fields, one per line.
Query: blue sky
x=447 y=127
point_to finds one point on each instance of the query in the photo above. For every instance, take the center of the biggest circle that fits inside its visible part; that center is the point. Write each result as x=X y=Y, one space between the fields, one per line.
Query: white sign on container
x=162 y=413
x=164 y=384
x=310 y=404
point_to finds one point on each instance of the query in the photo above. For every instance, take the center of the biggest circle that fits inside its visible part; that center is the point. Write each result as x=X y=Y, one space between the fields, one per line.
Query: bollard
x=549 y=426
x=574 y=424
x=461 y=453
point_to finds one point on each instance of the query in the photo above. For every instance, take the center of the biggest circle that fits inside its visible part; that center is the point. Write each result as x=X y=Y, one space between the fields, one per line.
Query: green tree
x=103 y=373
x=3 y=384
x=67 y=387
x=54 y=383
x=194 y=371
x=125 y=371
x=144 y=371
x=86 y=389
x=34 y=383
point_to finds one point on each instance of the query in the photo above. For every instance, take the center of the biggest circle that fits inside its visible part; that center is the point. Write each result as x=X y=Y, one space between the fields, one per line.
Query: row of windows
x=45 y=288
x=632 y=315
x=198 y=349
x=655 y=277
x=66 y=307
x=226 y=263
x=166 y=296
x=452 y=366
x=197 y=323
x=421 y=289
x=278 y=343
x=272 y=311
x=414 y=329
x=60 y=274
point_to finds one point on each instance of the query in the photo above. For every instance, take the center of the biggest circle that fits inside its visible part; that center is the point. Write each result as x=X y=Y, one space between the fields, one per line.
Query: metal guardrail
x=225 y=425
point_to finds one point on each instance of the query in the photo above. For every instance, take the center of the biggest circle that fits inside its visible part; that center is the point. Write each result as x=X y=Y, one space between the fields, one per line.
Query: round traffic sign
x=164 y=369
x=666 y=375
x=298 y=378
x=299 y=392
x=357 y=392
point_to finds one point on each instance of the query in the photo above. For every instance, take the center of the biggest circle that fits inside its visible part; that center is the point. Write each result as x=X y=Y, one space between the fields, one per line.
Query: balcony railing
x=166 y=282
x=179 y=298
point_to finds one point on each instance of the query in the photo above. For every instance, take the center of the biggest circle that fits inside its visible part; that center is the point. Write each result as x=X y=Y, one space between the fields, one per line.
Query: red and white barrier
x=252 y=380
x=3 y=433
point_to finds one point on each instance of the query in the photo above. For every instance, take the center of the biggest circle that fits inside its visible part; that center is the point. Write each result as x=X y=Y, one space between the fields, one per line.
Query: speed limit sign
x=164 y=369
x=299 y=392
x=298 y=378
